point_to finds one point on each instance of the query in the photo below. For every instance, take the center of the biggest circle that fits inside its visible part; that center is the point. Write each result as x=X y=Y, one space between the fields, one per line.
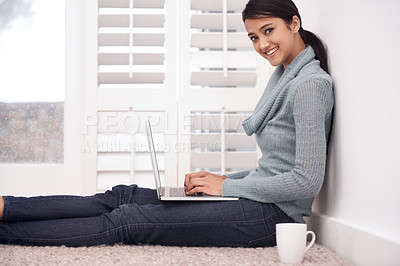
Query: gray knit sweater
x=292 y=122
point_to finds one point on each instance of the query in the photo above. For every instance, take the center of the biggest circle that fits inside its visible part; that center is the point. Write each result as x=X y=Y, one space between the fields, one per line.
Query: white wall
x=357 y=213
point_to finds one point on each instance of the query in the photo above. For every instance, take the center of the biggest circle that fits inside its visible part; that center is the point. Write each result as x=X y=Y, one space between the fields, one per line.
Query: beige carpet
x=155 y=255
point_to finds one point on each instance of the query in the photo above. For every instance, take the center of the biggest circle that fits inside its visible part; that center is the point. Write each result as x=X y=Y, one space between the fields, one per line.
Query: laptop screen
x=153 y=157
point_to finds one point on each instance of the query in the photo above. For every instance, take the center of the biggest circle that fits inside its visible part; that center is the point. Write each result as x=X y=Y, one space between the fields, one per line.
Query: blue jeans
x=133 y=215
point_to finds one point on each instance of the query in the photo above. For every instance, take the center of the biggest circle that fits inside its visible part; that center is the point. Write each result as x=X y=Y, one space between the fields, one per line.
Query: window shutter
x=221 y=53
x=225 y=84
x=122 y=151
x=219 y=143
x=131 y=88
x=131 y=44
x=177 y=62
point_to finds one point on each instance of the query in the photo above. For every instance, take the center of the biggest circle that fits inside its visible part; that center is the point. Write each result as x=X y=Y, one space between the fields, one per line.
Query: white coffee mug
x=291 y=239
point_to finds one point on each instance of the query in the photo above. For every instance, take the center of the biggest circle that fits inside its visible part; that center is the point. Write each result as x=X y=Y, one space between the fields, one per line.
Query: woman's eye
x=253 y=38
x=268 y=31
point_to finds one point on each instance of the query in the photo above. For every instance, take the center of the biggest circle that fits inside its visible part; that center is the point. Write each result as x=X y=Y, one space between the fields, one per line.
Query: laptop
x=174 y=193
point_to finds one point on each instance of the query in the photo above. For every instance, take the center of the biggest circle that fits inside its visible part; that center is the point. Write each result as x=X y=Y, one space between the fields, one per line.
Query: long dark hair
x=286 y=9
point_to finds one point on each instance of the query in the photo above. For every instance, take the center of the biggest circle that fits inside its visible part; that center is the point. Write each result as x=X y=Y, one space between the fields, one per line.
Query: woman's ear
x=295 y=26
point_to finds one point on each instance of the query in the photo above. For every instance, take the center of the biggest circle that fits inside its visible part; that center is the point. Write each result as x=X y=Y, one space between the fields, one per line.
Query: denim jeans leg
x=73 y=232
x=241 y=223
x=56 y=207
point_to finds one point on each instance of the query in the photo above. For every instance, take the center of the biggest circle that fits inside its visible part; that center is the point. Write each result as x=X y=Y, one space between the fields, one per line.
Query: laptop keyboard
x=177 y=192
x=180 y=192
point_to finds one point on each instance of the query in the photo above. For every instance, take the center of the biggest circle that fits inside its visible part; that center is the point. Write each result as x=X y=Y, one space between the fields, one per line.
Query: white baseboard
x=353 y=245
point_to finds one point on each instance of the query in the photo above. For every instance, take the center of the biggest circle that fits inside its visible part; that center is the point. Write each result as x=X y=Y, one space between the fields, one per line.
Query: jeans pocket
x=266 y=241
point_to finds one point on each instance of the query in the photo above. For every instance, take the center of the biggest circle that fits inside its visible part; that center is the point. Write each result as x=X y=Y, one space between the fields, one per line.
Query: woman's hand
x=204 y=182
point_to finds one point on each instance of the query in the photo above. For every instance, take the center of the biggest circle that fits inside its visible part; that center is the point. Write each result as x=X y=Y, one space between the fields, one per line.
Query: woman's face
x=274 y=40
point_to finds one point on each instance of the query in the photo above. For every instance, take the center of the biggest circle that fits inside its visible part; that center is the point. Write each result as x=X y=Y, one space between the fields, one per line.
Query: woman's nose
x=264 y=43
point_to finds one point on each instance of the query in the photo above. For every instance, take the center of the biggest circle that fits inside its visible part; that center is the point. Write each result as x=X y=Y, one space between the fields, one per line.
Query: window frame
x=66 y=177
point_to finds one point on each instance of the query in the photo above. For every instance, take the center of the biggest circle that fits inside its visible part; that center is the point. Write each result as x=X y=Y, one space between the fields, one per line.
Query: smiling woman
x=32 y=84
x=291 y=122
x=275 y=14
x=274 y=40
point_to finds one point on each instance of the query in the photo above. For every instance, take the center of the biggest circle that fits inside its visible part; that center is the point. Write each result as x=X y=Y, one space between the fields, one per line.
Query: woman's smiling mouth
x=272 y=51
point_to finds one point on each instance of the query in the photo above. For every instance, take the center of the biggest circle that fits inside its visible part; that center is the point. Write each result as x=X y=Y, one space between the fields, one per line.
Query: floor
x=156 y=255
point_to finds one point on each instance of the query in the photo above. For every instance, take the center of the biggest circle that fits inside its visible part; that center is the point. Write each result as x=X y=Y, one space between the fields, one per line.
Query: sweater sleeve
x=313 y=103
x=238 y=175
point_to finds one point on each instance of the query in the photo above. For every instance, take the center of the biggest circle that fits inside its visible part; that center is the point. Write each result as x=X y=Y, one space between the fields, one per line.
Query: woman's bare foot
x=1 y=206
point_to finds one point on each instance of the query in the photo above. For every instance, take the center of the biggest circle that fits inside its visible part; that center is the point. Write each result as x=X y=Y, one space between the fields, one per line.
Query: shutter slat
x=105 y=141
x=233 y=141
x=106 y=180
x=205 y=160
x=215 y=40
x=213 y=5
x=113 y=162
x=212 y=123
x=143 y=162
x=241 y=160
x=216 y=59
x=139 y=39
x=123 y=78
x=240 y=142
x=123 y=59
x=209 y=123
x=217 y=78
x=197 y=138
x=245 y=160
x=139 y=20
x=214 y=21
x=137 y=3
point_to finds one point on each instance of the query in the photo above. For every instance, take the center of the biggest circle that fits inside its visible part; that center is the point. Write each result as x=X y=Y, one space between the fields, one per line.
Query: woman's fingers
x=195 y=190
x=209 y=184
x=195 y=182
x=189 y=176
x=203 y=182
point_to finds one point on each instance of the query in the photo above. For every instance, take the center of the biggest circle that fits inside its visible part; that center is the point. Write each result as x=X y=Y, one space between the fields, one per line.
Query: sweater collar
x=269 y=102
x=302 y=59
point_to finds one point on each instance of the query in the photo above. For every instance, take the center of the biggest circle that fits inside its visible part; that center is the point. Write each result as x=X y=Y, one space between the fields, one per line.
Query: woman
x=291 y=122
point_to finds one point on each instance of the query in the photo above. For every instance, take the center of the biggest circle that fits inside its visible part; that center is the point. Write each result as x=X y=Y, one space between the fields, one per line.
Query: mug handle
x=312 y=239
